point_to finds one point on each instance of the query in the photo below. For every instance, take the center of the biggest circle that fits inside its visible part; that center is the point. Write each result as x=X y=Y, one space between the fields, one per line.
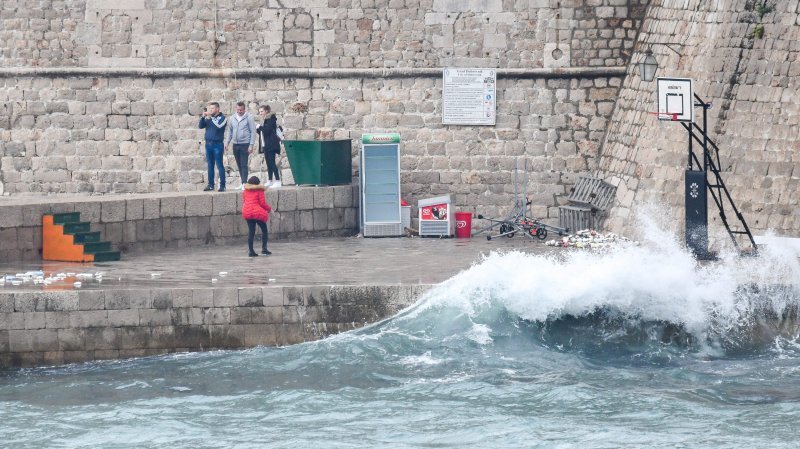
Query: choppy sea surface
x=639 y=346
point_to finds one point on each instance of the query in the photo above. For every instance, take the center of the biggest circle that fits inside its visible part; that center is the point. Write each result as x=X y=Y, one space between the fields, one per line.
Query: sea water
x=639 y=346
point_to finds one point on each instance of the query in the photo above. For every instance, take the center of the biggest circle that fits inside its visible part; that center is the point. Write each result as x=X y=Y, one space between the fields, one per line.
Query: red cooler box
x=463 y=225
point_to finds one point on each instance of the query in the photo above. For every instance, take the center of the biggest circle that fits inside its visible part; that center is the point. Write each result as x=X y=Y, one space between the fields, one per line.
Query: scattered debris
x=589 y=238
x=39 y=277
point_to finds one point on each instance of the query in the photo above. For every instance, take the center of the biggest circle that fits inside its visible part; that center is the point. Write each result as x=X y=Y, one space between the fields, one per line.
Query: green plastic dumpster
x=320 y=162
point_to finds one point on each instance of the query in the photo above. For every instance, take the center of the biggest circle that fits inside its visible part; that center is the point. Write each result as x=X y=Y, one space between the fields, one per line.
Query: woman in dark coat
x=270 y=143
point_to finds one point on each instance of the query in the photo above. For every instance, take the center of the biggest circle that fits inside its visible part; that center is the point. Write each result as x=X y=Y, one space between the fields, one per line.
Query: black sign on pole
x=696 y=213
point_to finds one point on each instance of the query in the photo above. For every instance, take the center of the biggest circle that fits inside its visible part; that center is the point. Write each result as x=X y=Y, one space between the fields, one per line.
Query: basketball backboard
x=675 y=99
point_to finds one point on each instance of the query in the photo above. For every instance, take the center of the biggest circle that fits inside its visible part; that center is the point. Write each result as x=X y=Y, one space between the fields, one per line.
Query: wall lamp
x=649 y=65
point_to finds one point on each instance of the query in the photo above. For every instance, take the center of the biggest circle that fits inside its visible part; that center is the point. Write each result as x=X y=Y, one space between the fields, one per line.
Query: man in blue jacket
x=214 y=123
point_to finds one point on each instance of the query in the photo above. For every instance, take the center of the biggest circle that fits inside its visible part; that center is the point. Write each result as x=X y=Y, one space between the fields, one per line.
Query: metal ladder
x=719 y=192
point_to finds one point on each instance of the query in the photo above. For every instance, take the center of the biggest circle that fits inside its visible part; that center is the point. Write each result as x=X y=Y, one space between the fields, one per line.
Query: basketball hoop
x=675 y=100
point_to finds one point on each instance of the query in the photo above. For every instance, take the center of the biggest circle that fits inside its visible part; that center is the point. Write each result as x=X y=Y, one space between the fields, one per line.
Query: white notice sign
x=469 y=96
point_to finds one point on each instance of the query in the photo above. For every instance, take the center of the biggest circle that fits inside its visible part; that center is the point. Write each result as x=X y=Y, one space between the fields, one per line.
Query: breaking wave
x=647 y=300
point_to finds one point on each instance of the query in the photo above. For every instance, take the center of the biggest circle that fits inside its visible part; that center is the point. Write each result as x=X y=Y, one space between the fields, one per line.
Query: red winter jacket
x=255 y=206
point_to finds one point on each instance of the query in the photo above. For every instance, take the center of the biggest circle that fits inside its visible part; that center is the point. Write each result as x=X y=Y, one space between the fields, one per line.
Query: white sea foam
x=136 y=383
x=420 y=360
x=657 y=280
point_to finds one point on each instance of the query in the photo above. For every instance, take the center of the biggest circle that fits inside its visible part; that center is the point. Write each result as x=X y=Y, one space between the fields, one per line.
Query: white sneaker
x=241 y=187
x=268 y=183
x=275 y=185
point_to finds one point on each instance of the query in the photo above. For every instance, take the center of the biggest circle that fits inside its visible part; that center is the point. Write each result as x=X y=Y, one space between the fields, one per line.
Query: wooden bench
x=589 y=200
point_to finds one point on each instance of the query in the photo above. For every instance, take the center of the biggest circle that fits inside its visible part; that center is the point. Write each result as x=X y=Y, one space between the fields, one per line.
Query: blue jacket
x=215 y=128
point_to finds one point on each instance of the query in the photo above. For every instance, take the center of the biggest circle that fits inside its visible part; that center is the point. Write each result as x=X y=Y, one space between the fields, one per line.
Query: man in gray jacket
x=242 y=136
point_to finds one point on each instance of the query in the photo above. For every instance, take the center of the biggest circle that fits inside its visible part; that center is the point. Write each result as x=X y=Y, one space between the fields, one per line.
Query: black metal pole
x=691 y=149
x=696 y=194
x=706 y=155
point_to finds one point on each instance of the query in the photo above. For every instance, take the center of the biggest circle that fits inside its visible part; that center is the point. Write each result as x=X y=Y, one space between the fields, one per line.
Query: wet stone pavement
x=323 y=261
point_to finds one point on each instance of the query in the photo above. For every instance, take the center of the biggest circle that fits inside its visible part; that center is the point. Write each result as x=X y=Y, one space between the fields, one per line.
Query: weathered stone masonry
x=319 y=33
x=754 y=85
x=59 y=327
x=144 y=223
x=556 y=123
x=101 y=132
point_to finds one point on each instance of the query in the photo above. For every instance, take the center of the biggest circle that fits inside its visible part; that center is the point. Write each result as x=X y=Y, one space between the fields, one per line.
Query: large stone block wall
x=56 y=327
x=754 y=85
x=111 y=135
x=136 y=224
x=104 y=133
x=318 y=33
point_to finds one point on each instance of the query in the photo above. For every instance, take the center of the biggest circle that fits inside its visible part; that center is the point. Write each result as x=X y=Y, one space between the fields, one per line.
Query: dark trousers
x=240 y=152
x=251 y=234
x=272 y=166
x=214 y=152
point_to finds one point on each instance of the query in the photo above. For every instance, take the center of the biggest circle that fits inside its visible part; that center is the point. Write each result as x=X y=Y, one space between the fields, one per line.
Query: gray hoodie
x=241 y=131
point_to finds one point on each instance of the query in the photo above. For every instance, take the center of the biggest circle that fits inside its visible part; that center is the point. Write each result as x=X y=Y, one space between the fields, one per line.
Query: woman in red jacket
x=256 y=211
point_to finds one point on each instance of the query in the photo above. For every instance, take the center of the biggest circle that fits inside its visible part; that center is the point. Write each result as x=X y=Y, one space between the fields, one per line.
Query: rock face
x=743 y=58
x=103 y=97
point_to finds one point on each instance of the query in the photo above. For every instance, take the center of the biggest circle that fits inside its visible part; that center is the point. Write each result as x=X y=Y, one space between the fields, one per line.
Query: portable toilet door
x=380 y=185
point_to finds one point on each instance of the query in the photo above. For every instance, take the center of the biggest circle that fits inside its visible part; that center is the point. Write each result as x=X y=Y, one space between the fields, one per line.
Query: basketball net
x=664 y=118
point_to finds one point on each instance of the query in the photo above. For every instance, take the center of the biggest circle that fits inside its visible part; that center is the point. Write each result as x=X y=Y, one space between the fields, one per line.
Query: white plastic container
x=405 y=216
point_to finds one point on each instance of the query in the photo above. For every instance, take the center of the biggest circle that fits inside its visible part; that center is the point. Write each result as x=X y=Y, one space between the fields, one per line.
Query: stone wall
x=750 y=76
x=56 y=327
x=136 y=224
x=111 y=135
x=101 y=132
x=318 y=33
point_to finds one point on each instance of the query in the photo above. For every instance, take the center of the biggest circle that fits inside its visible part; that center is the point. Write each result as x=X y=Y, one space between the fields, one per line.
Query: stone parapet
x=56 y=327
x=140 y=223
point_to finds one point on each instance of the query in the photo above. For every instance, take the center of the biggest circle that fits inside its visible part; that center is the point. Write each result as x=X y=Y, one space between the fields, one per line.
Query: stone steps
x=66 y=238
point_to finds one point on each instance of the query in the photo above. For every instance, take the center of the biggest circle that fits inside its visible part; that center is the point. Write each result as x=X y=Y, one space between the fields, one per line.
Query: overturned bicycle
x=519 y=220
x=532 y=227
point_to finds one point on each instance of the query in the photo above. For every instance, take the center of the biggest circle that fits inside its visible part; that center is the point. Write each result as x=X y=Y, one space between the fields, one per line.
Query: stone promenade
x=316 y=261
x=216 y=297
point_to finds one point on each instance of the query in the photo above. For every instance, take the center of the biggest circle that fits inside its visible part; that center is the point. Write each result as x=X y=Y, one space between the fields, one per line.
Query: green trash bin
x=320 y=162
